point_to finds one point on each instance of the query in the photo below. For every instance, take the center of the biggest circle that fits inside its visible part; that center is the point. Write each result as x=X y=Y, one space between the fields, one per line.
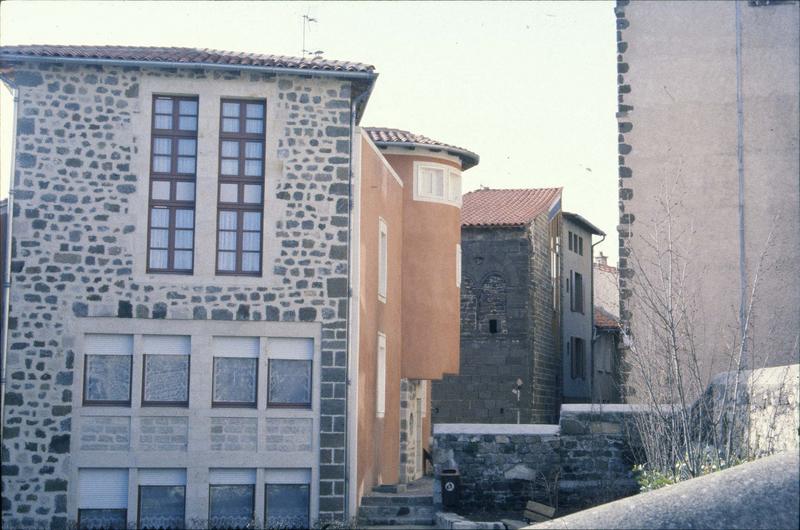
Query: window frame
x=266 y=505
x=139 y=501
x=240 y=180
x=253 y=508
x=381 y=352
x=180 y=404
x=383 y=260
x=303 y=406
x=172 y=205
x=577 y=297
x=458 y=265
x=577 y=362
x=448 y=173
x=233 y=404
x=105 y=402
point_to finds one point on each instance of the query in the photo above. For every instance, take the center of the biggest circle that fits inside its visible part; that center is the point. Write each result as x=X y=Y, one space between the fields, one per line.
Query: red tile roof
x=179 y=55
x=604 y=319
x=489 y=207
x=385 y=137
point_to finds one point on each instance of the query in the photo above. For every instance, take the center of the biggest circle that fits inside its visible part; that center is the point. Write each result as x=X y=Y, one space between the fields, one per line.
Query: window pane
x=186 y=164
x=253 y=150
x=287 y=505
x=229 y=193
x=230 y=506
x=251 y=241
x=102 y=519
x=184 y=218
x=254 y=126
x=183 y=259
x=108 y=378
x=227 y=220
x=188 y=107
x=230 y=149
x=250 y=262
x=162 y=164
x=252 y=168
x=255 y=110
x=455 y=187
x=289 y=382
x=252 y=221
x=162 y=506
x=158 y=259
x=184 y=238
x=227 y=240
x=235 y=380
x=187 y=147
x=438 y=184
x=159 y=238
x=230 y=166
x=227 y=261
x=166 y=378
x=187 y=123
x=252 y=194
x=230 y=125
x=230 y=110
x=163 y=122
x=164 y=105
x=159 y=217
x=184 y=191
x=162 y=146
x=160 y=190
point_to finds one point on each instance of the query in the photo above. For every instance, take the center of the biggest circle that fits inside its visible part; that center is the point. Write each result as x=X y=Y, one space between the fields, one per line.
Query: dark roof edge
x=468 y=158
x=368 y=77
x=580 y=220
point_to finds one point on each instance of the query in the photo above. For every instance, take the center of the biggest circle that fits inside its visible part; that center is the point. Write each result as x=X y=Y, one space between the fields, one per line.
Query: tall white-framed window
x=458 y=265
x=437 y=183
x=383 y=260
x=380 y=383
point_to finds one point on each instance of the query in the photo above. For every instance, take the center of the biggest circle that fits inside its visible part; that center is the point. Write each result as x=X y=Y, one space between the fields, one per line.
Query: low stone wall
x=583 y=461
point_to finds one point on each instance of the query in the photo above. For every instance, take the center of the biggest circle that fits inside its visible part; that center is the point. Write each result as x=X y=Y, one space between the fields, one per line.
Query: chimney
x=601 y=259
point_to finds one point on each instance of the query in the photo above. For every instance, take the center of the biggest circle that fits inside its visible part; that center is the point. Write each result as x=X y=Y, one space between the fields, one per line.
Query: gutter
x=594 y=334
x=352 y=316
x=740 y=168
x=7 y=271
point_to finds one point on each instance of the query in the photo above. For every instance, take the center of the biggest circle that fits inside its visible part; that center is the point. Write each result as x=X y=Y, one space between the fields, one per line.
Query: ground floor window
x=162 y=498
x=102 y=498
x=231 y=498
x=287 y=497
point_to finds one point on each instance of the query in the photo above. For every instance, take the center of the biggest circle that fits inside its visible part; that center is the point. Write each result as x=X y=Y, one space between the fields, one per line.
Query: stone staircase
x=408 y=505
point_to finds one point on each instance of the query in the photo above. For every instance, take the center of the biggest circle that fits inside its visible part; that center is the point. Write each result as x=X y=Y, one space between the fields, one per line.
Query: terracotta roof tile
x=385 y=137
x=489 y=207
x=604 y=319
x=181 y=55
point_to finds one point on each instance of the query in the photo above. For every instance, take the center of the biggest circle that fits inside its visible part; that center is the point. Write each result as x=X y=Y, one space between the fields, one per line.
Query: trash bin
x=451 y=487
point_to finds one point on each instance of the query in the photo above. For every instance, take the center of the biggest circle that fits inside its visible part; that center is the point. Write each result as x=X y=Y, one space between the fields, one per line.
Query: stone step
x=390 y=488
x=397 y=514
x=394 y=523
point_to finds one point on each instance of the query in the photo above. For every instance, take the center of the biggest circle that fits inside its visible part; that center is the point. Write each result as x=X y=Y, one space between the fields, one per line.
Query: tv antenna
x=307 y=21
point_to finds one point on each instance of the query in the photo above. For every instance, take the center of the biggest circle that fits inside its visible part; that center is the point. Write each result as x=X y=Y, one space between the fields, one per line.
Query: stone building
x=255 y=371
x=708 y=125
x=509 y=319
x=607 y=339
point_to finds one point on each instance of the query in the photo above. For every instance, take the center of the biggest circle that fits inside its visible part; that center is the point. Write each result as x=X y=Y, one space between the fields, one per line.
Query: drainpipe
x=353 y=108
x=594 y=335
x=7 y=271
x=740 y=167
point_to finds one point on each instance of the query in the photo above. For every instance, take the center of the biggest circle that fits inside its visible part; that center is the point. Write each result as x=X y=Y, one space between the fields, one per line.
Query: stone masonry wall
x=410 y=424
x=584 y=461
x=495 y=286
x=78 y=211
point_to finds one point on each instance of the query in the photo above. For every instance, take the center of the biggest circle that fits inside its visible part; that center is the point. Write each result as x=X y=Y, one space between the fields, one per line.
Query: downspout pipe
x=7 y=269
x=740 y=168
x=348 y=340
x=594 y=335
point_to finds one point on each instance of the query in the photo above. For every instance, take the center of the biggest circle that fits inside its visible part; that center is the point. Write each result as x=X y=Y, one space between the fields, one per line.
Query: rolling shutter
x=231 y=476
x=288 y=476
x=162 y=477
x=103 y=488
x=106 y=344
x=167 y=344
x=290 y=348
x=235 y=346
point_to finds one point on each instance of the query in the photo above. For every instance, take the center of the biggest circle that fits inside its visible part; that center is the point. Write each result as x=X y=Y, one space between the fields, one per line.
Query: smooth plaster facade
x=679 y=130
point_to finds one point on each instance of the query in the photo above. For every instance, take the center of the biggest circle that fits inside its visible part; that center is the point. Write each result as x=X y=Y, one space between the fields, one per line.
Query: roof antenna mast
x=307 y=21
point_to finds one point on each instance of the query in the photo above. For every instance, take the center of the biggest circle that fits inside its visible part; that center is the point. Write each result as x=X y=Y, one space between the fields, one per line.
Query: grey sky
x=529 y=86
